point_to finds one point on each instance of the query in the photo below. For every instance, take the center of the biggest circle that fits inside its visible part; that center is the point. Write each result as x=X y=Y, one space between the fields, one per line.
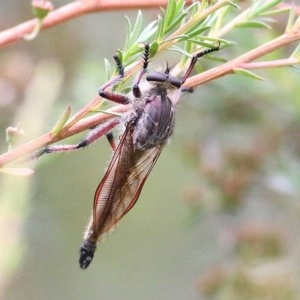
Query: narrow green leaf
x=61 y=121
x=178 y=15
x=170 y=12
x=267 y=5
x=181 y=51
x=153 y=48
x=261 y=7
x=128 y=32
x=197 y=31
x=160 y=28
x=175 y=22
x=148 y=32
x=233 y=4
x=136 y=28
x=254 y=24
x=202 y=43
x=247 y=73
x=178 y=37
x=193 y=8
x=276 y=11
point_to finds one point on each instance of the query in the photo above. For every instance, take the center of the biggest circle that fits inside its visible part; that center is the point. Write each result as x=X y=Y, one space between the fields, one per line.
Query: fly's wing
x=122 y=183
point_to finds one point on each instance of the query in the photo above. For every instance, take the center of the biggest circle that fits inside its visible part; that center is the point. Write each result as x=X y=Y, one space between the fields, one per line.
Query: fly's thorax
x=155 y=124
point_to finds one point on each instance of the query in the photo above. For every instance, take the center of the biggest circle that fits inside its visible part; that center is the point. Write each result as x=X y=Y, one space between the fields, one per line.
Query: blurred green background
x=219 y=215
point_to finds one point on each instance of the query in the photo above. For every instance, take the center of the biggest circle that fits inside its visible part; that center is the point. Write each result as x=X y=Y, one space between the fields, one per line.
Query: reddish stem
x=74 y=10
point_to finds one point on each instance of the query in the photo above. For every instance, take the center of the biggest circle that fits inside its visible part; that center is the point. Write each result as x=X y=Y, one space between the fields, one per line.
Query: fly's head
x=163 y=82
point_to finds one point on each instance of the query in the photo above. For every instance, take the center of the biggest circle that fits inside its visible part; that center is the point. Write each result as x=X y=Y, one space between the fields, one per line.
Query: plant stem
x=74 y=10
x=240 y=61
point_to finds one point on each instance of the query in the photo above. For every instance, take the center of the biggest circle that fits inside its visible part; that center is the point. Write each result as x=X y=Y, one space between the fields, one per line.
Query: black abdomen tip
x=86 y=254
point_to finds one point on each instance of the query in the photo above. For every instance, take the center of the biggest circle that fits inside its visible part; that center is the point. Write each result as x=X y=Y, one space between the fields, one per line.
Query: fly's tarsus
x=120 y=66
x=93 y=136
x=136 y=89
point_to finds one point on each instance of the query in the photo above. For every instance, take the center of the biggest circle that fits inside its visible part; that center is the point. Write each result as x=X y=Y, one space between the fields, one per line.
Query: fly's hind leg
x=136 y=89
x=94 y=135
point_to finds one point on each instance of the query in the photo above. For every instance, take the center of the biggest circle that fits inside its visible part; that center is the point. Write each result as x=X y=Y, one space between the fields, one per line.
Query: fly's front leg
x=118 y=98
x=136 y=89
x=93 y=136
x=194 y=60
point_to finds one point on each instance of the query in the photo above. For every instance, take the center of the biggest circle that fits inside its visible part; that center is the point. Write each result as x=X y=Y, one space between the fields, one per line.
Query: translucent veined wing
x=122 y=183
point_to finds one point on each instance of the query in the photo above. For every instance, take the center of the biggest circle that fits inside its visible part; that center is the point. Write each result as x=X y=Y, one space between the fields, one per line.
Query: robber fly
x=148 y=126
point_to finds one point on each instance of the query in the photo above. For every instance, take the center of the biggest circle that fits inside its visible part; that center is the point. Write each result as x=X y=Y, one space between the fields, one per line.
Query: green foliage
x=187 y=29
x=177 y=23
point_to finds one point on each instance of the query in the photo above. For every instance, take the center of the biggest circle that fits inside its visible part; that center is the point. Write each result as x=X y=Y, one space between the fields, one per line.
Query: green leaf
x=170 y=12
x=254 y=24
x=181 y=51
x=61 y=121
x=178 y=37
x=128 y=32
x=136 y=28
x=160 y=28
x=153 y=48
x=174 y=14
x=197 y=31
x=276 y=11
x=261 y=7
x=247 y=73
x=148 y=32
x=202 y=43
x=233 y=4
x=175 y=22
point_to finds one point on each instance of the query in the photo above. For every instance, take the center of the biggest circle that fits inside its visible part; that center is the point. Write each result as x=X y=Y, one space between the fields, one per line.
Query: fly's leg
x=105 y=128
x=194 y=60
x=117 y=98
x=136 y=89
x=93 y=136
x=111 y=140
x=99 y=130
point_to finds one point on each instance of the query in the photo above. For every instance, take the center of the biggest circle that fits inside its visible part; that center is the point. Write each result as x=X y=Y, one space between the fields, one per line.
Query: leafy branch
x=185 y=29
x=71 y=11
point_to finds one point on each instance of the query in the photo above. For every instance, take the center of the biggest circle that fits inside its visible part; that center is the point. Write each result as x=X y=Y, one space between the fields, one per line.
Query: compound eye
x=175 y=81
x=157 y=76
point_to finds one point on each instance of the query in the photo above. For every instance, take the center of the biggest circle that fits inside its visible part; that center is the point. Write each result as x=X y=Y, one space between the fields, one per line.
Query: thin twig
x=239 y=62
x=48 y=138
x=74 y=10
x=84 y=124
